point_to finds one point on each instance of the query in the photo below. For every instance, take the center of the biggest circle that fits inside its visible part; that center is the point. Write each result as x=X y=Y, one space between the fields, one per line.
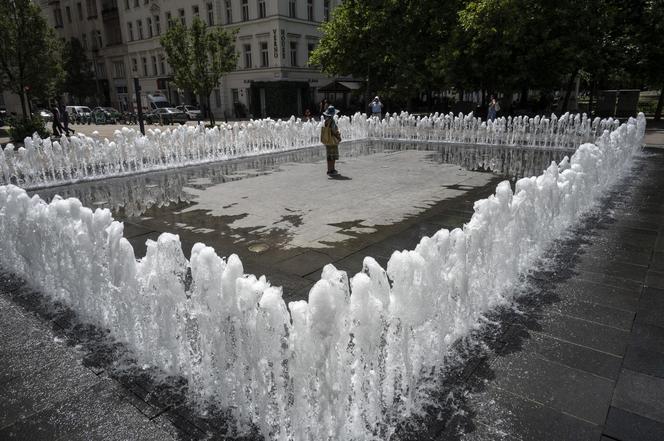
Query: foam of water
x=347 y=363
x=42 y=162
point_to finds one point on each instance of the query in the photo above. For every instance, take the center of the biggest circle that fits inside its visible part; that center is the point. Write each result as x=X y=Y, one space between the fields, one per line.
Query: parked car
x=46 y=115
x=169 y=115
x=105 y=115
x=79 y=114
x=193 y=112
x=3 y=117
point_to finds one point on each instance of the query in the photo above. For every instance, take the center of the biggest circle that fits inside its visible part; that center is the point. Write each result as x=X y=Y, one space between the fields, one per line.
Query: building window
x=130 y=31
x=247 y=56
x=162 y=69
x=79 y=8
x=101 y=70
x=261 y=9
x=293 y=53
x=92 y=8
x=118 y=70
x=145 y=66
x=265 y=59
x=236 y=95
x=139 y=29
x=68 y=10
x=195 y=11
x=292 y=6
x=145 y=2
x=245 y=10
x=210 y=14
x=310 y=49
x=217 y=98
x=229 y=12
x=169 y=20
x=154 y=65
x=183 y=20
x=99 y=40
x=126 y=4
x=57 y=15
x=326 y=10
x=85 y=41
x=310 y=10
x=136 y=4
x=157 y=25
x=148 y=25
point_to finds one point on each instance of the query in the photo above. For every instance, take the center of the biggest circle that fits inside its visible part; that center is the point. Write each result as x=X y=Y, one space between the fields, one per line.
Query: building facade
x=274 y=38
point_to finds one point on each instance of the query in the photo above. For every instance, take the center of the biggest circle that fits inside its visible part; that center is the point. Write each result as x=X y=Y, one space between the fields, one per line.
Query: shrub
x=20 y=128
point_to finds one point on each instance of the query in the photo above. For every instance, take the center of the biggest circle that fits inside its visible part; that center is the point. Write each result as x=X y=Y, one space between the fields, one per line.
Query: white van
x=157 y=101
x=78 y=113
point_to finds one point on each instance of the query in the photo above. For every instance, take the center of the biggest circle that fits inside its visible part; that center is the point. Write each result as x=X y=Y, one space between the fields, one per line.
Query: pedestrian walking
x=376 y=107
x=323 y=106
x=56 y=125
x=330 y=137
x=64 y=116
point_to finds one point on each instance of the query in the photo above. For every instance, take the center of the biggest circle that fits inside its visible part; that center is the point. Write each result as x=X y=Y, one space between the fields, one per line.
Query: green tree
x=388 y=42
x=199 y=56
x=30 y=62
x=651 y=39
x=79 y=79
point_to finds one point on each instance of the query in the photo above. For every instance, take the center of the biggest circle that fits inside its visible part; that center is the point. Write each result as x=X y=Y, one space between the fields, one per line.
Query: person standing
x=323 y=106
x=376 y=107
x=330 y=137
x=493 y=109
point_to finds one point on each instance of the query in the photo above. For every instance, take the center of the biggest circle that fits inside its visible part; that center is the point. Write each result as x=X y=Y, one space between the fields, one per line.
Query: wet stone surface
x=563 y=362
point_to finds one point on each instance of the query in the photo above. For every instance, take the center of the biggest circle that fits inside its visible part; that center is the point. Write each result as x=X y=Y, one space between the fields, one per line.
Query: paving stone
x=593 y=312
x=640 y=394
x=98 y=413
x=506 y=416
x=647 y=336
x=610 y=280
x=651 y=307
x=577 y=393
x=580 y=290
x=566 y=353
x=581 y=332
x=645 y=361
x=626 y=426
x=655 y=279
x=303 y=264
x=132 y=230
x=621 y=270
x=36 y=391
x=657 y=263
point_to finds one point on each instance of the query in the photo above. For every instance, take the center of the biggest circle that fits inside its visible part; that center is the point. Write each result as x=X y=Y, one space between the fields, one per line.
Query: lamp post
x=94 y=67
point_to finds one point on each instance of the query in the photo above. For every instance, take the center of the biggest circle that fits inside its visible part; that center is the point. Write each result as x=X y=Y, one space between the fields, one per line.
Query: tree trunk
x=568 y=90
x=207 y=104
x=660 y=104
x=23 y=109
x=590 y=99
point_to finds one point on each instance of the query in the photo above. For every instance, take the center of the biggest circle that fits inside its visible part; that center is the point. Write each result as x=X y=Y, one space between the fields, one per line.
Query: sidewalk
x=581 y=357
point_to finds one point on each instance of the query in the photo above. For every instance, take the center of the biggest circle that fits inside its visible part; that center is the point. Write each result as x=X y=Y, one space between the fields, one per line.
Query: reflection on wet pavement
x=286 y=204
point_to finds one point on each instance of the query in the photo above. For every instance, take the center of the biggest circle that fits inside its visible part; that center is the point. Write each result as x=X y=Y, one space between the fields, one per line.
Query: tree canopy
x=403 y=46
x=30 y=54
x=79 y=79
x=199 y=57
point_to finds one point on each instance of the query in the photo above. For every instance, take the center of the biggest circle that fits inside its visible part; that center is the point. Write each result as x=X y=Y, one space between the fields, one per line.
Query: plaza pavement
x=580 y=357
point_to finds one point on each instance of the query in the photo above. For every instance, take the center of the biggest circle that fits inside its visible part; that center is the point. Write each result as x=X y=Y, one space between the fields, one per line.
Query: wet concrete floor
x=286 y=219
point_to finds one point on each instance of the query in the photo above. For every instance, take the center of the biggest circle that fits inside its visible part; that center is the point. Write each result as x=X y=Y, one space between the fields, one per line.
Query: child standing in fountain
x=330 y=137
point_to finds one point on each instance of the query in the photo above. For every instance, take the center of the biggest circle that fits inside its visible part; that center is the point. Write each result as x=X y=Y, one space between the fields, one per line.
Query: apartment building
x=273 y=76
